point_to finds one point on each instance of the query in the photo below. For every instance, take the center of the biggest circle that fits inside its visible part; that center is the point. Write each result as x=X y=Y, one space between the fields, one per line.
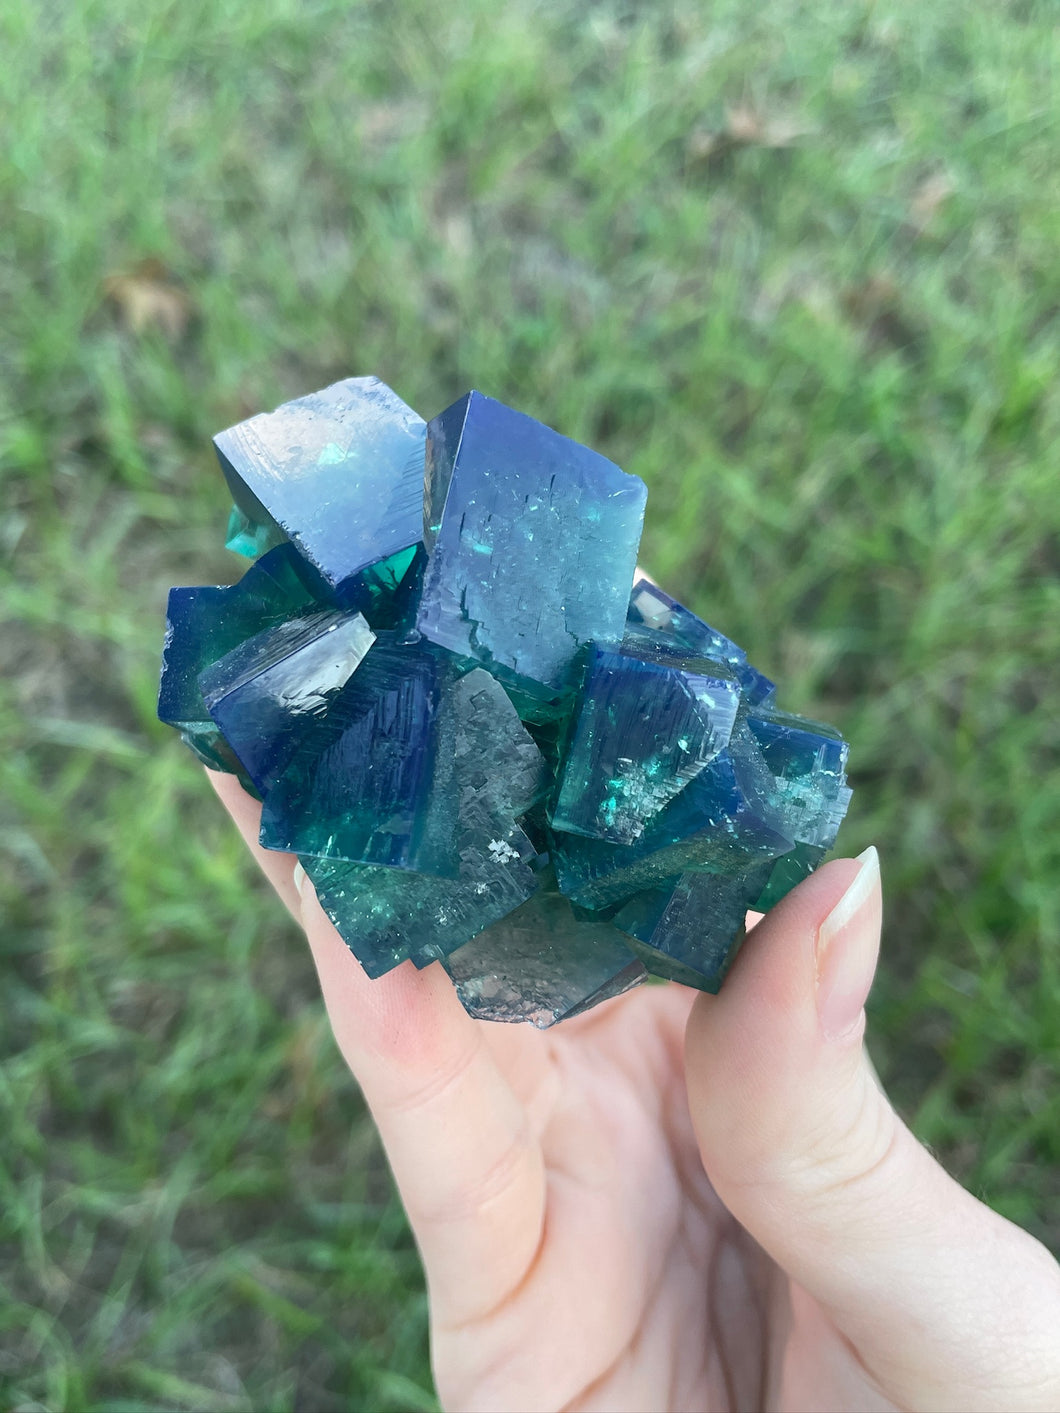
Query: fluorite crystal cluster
x=487 y=743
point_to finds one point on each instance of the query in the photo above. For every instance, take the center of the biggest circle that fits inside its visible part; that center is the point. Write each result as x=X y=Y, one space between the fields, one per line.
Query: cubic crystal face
x=339 y=473
x=361 y=786
x=269 y=693
x=644 y=730
x=535 y=545
x=487 y=745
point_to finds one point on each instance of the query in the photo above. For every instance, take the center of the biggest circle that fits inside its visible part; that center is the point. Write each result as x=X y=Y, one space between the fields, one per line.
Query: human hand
x=682 y=1201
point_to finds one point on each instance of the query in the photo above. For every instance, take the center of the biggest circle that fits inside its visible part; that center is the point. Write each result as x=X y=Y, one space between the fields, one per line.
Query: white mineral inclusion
x=501 y=852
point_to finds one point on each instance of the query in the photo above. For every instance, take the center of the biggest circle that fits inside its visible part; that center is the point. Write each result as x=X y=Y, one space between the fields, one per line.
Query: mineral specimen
x=485 y=746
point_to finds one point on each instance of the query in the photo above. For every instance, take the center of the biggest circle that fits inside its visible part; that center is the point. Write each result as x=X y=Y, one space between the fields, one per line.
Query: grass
x=794 y=264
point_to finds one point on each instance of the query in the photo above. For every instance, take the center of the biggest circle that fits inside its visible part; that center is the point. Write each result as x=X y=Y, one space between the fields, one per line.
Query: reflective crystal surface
x=541 y=964
x=487 y=745
x=203 y=624
x=389 y=915
x=488 y=773
x=643 y=731
x=535 y=547
x=340 y=473
x=249 y=538
x=357 y=786
x=274 y=691
x=808 y=763
x=655 y=620
x=724 y=821
x=690 y=931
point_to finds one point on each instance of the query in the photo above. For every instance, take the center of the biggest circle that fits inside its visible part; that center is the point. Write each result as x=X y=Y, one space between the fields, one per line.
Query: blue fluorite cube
x=487 y=774
x=689 y=930
x=205 y=623
x=658 y=622
x=267 y=695
x=642 y=732
x=473 y=863
x=535 y=547
x=339 y=472
x=807 y=760
x=723 y=821
x=357 y=787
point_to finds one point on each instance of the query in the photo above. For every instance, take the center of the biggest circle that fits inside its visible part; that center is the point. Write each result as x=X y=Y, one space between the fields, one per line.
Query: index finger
x=461 y=1147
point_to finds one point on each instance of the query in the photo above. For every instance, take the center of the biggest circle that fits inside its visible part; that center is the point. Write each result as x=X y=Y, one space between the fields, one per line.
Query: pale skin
x=686 y=1202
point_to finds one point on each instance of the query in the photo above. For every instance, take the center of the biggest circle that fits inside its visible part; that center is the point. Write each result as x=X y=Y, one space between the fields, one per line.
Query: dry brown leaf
x=870 y=298
x=747 y=125
x=929 y=196
x=876 y=307
x=702 y=143
x=380 y=124
x=743 y=123
x=148 y=296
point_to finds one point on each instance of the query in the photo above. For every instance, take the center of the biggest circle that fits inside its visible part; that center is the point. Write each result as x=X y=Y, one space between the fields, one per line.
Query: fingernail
x=299 y=878
x=848 y=943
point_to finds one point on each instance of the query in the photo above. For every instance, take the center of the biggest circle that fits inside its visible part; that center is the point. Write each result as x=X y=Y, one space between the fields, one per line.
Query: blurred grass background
x=793 y=263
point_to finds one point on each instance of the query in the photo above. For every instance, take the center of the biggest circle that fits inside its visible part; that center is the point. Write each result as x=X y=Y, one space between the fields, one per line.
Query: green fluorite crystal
x=279 y=688
x=487 y=745
x=690 y=931
x=249 y=538
x=534 y=543
x=645 y=729
x=360 y=783
x=541 y=964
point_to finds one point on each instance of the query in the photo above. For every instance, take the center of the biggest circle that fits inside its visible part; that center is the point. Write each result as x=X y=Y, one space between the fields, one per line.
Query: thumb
x=946 y=1303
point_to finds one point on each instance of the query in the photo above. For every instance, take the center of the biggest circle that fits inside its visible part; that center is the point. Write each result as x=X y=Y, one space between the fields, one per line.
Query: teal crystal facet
x=488 y=746
x=339 y=473
x=644 y=730
x=534 y=544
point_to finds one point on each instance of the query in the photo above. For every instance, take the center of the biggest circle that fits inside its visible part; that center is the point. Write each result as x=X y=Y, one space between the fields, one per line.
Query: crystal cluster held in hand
x=488 y=743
